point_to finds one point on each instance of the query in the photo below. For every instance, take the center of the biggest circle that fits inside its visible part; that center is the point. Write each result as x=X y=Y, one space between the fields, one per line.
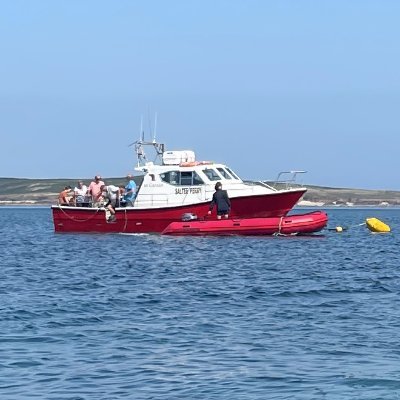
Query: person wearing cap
x=130 y=191
x=221 y=200
x=80 y=195
x=95 y=191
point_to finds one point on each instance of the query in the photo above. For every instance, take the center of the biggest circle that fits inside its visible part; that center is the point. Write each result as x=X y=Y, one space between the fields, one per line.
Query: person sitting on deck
x=66 y=198
x=81 y=200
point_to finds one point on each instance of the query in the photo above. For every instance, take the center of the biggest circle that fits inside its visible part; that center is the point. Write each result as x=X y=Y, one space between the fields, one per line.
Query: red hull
x=135 y=220
x=301 y=223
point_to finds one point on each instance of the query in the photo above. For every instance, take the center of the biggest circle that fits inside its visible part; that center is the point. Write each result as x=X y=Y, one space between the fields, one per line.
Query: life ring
x=194 y=163
x=189 y=164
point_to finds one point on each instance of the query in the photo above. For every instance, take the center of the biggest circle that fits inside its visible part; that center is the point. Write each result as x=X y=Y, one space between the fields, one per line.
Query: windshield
x=211 y=174
x=232 y=173
x=224 y=173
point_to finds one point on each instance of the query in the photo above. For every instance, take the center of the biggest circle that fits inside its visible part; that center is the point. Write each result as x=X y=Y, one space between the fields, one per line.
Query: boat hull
x=293 y=224
x=155 y=220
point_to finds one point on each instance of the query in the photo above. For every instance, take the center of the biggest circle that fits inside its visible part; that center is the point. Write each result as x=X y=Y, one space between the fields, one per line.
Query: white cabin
x=181 y=180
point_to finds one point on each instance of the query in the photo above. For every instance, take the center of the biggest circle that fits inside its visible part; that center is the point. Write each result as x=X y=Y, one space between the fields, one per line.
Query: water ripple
x=151 y=317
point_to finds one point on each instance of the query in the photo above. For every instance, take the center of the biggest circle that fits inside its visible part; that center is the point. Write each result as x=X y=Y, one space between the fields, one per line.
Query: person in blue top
x=130 y=191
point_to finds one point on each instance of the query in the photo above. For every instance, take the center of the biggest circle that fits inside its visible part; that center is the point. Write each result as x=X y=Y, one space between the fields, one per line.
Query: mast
x=155 y=128
x=159 y=148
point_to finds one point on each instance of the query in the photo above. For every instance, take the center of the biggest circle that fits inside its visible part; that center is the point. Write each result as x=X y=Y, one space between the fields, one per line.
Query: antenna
x=141 y=129
x=141 y=143
x=149 y=122
x=155 y=128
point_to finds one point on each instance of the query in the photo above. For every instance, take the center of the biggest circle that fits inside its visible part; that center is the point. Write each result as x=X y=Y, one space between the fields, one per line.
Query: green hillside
x=40 y=191
x=45 y=192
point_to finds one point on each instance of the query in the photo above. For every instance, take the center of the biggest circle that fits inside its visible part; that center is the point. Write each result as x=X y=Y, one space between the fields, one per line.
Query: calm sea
x=152 y=317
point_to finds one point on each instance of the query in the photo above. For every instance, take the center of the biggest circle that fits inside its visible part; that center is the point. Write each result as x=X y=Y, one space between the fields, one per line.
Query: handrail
x=260 y=183
x=287 y=183
x=292 y=173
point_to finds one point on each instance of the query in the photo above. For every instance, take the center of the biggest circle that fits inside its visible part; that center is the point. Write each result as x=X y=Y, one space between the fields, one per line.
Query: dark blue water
x=151 y=317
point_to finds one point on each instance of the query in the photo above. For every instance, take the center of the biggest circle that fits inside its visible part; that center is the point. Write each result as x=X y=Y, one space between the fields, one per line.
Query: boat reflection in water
x=174 y=184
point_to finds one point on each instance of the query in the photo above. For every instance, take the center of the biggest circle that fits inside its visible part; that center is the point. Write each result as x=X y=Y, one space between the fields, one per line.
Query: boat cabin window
x=196 y=179
x=224 y=173
x=170 y=177
x=189 y=178
x=211 y=174
x=232 y=173
x=182 y=178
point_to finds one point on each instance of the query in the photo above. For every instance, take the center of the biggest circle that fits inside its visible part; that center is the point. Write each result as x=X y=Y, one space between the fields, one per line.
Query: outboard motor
x=189 y=217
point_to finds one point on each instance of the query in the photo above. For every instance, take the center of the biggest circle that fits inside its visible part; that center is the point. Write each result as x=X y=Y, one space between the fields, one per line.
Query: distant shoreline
x=44 y=192
x=300 y=204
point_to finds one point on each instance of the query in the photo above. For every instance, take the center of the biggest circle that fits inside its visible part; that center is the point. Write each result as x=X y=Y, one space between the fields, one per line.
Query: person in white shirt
x=80 y=192
x=111 y=196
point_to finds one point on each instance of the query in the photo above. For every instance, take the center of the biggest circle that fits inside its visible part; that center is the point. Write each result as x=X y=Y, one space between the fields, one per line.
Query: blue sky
x=263 y=86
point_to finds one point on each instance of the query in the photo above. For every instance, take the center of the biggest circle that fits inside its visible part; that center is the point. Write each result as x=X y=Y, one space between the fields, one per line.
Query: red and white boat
x=179 y=184
x=294 y=224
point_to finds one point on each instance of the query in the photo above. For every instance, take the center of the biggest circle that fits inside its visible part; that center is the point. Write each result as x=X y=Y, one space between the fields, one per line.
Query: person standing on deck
x=95 y=191
x=130 y=191
x=221 y=199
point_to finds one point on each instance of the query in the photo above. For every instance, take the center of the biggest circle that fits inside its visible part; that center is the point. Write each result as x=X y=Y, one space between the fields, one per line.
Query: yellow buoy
x=339 y=229
x=376 y=225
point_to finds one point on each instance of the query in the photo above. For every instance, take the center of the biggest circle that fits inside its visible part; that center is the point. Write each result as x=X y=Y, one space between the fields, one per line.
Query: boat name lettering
x=153 y=185
x=187 y=190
